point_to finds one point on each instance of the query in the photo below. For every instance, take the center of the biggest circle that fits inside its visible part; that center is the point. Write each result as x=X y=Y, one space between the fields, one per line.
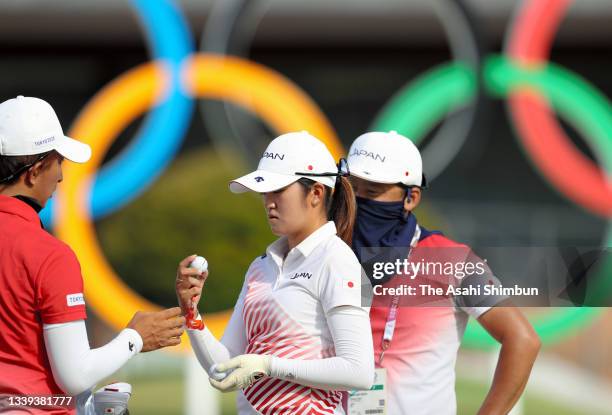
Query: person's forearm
x=335 y=373
x=75 y=366
x=207 y=348
x=351 y=368
x=515 y=362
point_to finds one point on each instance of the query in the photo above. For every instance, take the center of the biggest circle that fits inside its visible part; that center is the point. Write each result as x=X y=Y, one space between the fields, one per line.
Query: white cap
x=29 y=126
x=386 y=158
x=286 y=156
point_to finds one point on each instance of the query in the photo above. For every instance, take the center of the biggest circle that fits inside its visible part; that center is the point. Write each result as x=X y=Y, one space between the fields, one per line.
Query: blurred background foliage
x=189 y=210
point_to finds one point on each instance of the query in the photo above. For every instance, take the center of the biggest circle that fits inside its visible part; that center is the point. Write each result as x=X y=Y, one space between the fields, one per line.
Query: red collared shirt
x=40 y=283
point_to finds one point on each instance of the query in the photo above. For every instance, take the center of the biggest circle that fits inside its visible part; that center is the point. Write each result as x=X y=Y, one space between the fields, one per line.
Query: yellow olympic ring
x=279 y=102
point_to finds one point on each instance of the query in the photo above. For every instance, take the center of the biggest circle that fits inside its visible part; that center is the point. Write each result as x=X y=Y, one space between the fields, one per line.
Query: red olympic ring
x=539 y=131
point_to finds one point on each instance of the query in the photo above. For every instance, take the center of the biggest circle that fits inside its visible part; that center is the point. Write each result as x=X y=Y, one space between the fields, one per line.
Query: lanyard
x=392 y=316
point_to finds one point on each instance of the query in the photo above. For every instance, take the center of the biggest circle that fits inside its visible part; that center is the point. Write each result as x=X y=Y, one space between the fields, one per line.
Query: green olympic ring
x=417 y=108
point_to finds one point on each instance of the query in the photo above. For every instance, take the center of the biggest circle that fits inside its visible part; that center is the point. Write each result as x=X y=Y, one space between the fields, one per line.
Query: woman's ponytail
x=343 y=209
x=340 y=203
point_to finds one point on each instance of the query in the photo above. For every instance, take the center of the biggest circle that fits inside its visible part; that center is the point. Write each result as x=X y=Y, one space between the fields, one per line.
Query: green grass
x=471 y=394
x=157 y=396
x=163 y=395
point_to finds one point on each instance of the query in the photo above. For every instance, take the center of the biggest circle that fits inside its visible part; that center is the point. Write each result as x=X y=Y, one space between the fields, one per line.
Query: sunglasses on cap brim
x=423 y=185
x=343 y=171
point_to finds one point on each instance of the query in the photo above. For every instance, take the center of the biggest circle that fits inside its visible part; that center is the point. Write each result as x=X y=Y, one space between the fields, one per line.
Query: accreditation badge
x=373 y=401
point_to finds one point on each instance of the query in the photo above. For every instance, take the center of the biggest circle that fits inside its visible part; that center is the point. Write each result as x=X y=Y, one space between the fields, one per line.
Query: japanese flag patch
x=349 y=283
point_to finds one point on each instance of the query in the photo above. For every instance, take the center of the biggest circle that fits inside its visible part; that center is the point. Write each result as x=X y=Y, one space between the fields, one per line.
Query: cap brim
x=365 y=175
x=73 y=150
x=261 y=182
x=362 y=174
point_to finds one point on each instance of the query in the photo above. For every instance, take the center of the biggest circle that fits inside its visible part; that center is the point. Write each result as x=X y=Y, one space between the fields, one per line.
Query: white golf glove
x=242 y=371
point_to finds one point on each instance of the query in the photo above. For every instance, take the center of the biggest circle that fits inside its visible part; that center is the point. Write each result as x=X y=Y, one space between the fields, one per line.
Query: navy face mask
x=375 y=219
x=382 y=224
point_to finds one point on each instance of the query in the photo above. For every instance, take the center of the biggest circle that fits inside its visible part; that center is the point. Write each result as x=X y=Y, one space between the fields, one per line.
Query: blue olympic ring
x=133 y=170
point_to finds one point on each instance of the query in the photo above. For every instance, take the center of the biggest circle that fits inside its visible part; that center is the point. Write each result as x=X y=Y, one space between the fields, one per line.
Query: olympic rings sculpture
x=169 y=84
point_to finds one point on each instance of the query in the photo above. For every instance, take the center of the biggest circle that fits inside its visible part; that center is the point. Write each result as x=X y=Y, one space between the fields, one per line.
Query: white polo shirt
x=284 y=302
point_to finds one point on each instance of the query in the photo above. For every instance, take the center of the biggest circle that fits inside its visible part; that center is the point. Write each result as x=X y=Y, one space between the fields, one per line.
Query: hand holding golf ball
x=240 y=372
x=190 y=277
x=200 y=264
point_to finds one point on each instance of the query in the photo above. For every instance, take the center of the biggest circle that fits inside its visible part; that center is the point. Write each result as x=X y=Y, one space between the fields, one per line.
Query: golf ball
x=219 y=376
x=199 y=263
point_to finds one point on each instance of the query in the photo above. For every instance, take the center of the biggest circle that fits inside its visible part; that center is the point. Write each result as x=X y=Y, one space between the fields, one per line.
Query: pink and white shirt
x=302 y=306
